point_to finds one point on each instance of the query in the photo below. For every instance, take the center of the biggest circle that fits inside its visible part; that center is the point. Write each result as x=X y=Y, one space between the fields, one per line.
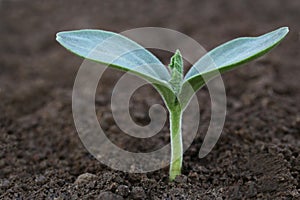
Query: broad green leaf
x=115 y=50
x=118 y=52
x=231 y=54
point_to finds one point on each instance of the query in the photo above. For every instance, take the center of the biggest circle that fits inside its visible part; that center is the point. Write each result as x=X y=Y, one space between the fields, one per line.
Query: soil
x=42 y=157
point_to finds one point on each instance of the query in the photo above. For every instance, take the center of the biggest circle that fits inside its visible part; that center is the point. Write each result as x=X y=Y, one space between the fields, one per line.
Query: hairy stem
x=176 y=142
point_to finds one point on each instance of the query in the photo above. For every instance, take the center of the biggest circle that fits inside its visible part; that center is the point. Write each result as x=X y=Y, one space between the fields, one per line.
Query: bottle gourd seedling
x=175 y=88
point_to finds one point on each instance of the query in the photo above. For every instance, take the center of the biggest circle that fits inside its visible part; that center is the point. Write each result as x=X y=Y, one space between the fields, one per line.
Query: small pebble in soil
x=4 y=183
x=106 y=121
x=101 y=100
x=252 y=190
x=85 y=178
x=114 y=129
x=109 y=196
x=180 y=179
x=123 y=190
x=138 y=193
x=40 y=178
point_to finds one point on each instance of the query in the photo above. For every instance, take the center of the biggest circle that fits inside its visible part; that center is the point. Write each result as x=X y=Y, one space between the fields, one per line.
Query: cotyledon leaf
x=118 y=52
x=231 y=54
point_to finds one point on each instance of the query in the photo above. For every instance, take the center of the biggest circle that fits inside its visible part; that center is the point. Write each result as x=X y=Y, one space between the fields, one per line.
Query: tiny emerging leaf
x=176 y=67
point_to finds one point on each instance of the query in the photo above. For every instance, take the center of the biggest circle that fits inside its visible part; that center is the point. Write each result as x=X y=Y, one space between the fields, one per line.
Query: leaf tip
x=58 y=37
x=177 y=52
x=284 y=31
x=63 y=35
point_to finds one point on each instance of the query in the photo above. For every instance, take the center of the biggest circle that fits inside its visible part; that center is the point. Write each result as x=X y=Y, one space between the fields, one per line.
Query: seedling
x=176 y=89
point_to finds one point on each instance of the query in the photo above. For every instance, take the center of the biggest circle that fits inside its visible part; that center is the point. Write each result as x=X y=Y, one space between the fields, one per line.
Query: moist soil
x=42 y=157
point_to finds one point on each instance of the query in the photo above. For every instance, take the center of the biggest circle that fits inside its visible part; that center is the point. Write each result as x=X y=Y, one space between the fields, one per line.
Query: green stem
x=176 y=142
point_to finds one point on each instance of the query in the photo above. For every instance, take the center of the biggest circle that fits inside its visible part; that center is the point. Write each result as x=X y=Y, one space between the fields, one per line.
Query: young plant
x=175 y=88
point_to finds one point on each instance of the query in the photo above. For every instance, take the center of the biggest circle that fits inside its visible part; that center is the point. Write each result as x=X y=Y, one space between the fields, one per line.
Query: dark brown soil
x=41 y=155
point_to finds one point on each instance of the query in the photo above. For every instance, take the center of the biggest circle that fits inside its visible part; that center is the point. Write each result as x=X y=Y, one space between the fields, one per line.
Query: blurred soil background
x=42 y=157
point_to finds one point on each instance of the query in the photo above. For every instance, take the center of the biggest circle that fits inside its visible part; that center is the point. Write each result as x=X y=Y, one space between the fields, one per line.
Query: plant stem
x=176 y=142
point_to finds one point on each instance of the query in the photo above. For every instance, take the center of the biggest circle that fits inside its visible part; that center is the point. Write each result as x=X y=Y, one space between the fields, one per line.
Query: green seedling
x=176 y=89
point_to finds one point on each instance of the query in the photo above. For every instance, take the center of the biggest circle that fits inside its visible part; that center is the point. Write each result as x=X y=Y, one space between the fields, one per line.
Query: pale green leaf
x=115 y=50
x=231 y=54
x=118 y=52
